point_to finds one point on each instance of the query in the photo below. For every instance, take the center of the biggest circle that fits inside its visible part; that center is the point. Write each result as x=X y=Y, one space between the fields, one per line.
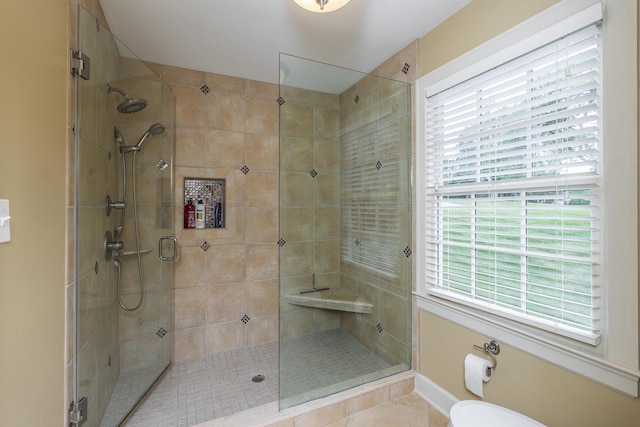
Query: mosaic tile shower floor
x=199 y=390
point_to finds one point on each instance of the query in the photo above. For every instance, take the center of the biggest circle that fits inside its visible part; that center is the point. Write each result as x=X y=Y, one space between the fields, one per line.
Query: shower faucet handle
x=111 y=245
x=109 y=205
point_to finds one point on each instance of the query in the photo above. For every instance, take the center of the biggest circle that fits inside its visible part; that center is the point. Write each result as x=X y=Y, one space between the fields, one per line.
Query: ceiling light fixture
x=321 y=6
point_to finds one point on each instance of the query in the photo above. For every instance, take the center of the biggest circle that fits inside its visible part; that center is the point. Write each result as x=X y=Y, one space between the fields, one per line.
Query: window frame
x=614 y=361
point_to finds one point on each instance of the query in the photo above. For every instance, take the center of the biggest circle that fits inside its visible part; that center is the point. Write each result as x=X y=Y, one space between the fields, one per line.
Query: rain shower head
x=130 y=105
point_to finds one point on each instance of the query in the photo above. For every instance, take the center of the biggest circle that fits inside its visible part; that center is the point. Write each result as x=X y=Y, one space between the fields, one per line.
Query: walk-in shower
x=122 y=289
x=345 y=229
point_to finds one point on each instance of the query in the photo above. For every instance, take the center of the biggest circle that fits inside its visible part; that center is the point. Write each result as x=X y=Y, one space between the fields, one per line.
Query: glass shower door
x=345 y=228
x=123 y=207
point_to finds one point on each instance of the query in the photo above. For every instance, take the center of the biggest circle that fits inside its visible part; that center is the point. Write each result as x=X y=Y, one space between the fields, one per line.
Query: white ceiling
x=244 y=38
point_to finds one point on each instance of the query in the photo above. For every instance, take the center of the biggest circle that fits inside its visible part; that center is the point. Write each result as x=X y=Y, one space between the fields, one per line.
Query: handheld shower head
x=130 y=105
x=154 y=129
x=118 y=136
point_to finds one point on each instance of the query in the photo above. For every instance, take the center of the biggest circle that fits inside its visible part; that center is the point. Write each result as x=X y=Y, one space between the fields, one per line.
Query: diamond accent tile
x=280 y=100
x=379 y=328
x=313 y=173
x=379 y=165
x=140 y=321
x=406 y=67
x=356 y=99
x=205 y=246
x=245 y=169
x=407 y=251
x=281 y=242
x=357 y=242
x=245 y=319
x=205 y=89
x=161 y=332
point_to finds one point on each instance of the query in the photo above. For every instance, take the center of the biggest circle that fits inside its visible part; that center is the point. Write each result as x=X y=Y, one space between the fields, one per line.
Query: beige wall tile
x=262 y=116
x=190 y=103
x=189 y=267
x=322 y=416
x=296 y=323
x=401 y=388
x=224 y=264
x=225 y=303
x=327 y=190
x=367 y=400
x=262 y=330
x=327 y=223
x=176 y=76
x=296 y=155
x=262 y=152
x=225 y=111
x=188 y=308
x=219 y=82
x=225 y=336
x=325 y=123
x=262 y=189
x=394 y=315
x=224 y=149
x=188 y=344
x=296 y=190
x=262 y=225
x=189 y=147
x=261 y=90
x=297 y=224
x=262 y=298
x=296 y=120
x=262 y=262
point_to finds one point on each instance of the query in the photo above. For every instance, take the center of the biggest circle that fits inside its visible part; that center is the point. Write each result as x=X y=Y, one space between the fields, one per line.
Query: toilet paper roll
x=476 y=372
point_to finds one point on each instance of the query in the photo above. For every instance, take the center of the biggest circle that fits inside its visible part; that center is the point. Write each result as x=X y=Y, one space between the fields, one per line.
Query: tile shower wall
x=375 y=115
x=310 y=205
x=226 y=279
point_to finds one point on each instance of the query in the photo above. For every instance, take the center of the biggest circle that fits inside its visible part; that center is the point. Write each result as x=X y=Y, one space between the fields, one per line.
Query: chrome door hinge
x=80 y=64
x=78 y=412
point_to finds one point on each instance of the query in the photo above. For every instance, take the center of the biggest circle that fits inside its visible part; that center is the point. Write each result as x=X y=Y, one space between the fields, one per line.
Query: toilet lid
x=483 y=414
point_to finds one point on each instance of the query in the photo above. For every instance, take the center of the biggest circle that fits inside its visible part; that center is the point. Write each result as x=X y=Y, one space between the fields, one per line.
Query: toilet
x=474 y=413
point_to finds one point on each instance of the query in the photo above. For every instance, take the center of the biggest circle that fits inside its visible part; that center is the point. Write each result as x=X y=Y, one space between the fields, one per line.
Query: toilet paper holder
x=492 y=348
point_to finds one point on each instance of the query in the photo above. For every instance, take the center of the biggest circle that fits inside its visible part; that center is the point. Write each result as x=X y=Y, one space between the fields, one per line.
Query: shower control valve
x=109 y=205
x=111 y=245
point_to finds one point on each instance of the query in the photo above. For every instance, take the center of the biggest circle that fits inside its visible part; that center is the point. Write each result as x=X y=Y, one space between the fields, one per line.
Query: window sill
x=618 y=378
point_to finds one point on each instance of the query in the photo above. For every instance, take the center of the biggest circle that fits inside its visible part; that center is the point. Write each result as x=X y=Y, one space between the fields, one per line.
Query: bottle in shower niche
x=200 y=214
x=217 y=215
x=190 y=215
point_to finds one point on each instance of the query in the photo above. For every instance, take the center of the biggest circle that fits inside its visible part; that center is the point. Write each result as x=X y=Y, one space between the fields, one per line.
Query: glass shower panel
x=123 y=312
x=345 y=228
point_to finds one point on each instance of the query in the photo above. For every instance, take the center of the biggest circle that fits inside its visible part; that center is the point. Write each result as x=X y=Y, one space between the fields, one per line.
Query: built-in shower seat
x=332 y=299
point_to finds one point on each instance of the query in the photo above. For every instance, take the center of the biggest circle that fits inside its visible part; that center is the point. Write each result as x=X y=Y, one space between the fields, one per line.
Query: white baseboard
x=436 y=396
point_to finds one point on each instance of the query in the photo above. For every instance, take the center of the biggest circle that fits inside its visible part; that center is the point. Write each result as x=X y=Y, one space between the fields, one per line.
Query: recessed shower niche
x=211 y=192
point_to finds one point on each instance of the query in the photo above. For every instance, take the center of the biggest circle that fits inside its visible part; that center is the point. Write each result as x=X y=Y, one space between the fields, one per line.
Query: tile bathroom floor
x=220 y=385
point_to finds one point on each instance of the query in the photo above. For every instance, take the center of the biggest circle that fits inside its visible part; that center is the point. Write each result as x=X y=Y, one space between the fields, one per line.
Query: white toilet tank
x=473 y=413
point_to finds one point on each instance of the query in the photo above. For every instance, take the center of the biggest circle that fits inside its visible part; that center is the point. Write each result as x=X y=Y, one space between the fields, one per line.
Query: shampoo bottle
x=217 y=215
x=200 y=214
x=189 y=215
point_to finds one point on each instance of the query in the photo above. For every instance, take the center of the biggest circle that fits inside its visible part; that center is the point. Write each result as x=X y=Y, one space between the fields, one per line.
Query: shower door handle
x=175 y=248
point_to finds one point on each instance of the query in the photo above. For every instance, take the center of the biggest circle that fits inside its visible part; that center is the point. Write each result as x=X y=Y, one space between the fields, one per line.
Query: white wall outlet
x=5 y=218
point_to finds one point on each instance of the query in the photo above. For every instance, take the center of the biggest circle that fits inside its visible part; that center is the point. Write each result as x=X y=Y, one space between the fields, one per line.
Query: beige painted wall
x=523 y=382
x=33 y=178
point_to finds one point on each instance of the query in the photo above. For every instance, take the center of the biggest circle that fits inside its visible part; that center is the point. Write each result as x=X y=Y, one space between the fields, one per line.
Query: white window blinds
x=513 y=188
